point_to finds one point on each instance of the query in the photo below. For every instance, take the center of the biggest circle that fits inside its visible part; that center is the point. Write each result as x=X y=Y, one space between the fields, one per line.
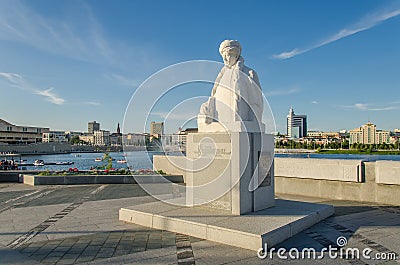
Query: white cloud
x=385 y=108
x=50 y=96
x=287 y=55
x=124 y=81
x=11 y=76
x=361 y=106
x=314 y=102
x=365 y=23
x=91 y=103
x=372 y=107
x=282 y=92
x=20 y=82
x=63 y=35
x=75 y=34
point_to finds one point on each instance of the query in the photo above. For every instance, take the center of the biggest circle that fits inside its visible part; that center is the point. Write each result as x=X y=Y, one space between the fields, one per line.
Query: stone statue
x=236 y=95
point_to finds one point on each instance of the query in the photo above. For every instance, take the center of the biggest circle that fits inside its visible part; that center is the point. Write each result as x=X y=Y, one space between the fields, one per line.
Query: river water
x=84 y=161
x=143 y=160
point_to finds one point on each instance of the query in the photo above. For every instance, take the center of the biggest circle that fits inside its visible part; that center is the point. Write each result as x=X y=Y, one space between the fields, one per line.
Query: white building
x=14 y=134
x=101 y=137
x=134 y=139
x=296 y=125
x=368 y=134
x=87 y=138
x=54 y=137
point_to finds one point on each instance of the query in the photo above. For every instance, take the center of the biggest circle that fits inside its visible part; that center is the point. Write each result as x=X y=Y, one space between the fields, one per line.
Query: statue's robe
x=236 y=96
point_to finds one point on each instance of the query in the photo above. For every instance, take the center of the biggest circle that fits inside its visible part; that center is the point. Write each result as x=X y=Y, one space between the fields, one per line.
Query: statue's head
x=230 y=51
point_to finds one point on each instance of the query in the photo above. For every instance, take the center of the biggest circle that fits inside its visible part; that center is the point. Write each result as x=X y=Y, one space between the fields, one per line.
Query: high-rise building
x=368 y=134
x=296 y=125
x=93 y=126
x=156 y=129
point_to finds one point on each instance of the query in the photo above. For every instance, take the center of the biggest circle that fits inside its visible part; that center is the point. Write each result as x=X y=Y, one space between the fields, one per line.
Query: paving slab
x=11 y=256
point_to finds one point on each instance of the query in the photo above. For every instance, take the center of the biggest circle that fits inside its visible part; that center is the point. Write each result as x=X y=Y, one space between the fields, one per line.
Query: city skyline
x=66 y=63
x=87 y=130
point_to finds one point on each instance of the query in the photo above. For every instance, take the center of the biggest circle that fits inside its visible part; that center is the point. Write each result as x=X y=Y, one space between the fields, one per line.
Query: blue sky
x=64 y=63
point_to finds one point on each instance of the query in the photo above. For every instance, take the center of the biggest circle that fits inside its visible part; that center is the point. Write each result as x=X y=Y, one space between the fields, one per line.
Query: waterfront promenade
x=79 y=225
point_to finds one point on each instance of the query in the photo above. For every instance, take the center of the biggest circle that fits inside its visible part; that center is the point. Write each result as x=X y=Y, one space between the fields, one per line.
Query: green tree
x=74 y=140
x=107 y=159
x=370 y=148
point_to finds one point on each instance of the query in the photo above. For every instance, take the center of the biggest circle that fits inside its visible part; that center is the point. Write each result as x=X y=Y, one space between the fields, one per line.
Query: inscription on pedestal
x=264 y=169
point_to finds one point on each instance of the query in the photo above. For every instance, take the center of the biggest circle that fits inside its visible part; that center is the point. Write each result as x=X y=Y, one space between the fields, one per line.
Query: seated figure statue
x=236 y=95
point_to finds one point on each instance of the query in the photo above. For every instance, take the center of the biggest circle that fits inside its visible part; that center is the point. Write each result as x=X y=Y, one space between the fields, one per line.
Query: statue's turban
x=230 y=44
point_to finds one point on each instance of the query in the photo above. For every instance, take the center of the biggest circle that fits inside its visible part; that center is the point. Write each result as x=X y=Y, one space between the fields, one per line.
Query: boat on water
x=121 y=161
x=98 y=159
x=38 y=163
x=78 y=155
x=64 y=163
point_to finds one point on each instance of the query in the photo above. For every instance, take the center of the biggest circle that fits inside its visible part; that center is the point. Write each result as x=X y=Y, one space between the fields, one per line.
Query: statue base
x=251 y=231
x=232 y=172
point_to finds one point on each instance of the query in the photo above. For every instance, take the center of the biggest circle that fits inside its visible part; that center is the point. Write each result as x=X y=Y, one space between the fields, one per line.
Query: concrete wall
x=170 y=166
x=327 y=169
x=98 y=179
x=366 y=191
x=376 y=182
x=387 y=172
x=7 y=176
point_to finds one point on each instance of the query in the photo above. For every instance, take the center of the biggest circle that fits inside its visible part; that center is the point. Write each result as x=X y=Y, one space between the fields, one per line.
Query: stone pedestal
x=231 y=171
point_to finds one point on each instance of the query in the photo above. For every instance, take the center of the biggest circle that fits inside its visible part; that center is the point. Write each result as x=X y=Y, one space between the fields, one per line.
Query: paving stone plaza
x=79 y=224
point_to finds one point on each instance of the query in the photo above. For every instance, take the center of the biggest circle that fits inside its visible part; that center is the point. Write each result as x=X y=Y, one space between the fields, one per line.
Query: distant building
x=116 y=138
x=119 y=129
x=314 y=134
x=54 y=137
x=170 y=142
x=176 y=142
x=93 y=126
x=156 y=129
x=296 y=125
x=101 y=138
x=88 y=138
x=368 y=134
x=323 y=134
x=14 y=134
x=71 y=134
x=182 y=139
x=134 y=139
